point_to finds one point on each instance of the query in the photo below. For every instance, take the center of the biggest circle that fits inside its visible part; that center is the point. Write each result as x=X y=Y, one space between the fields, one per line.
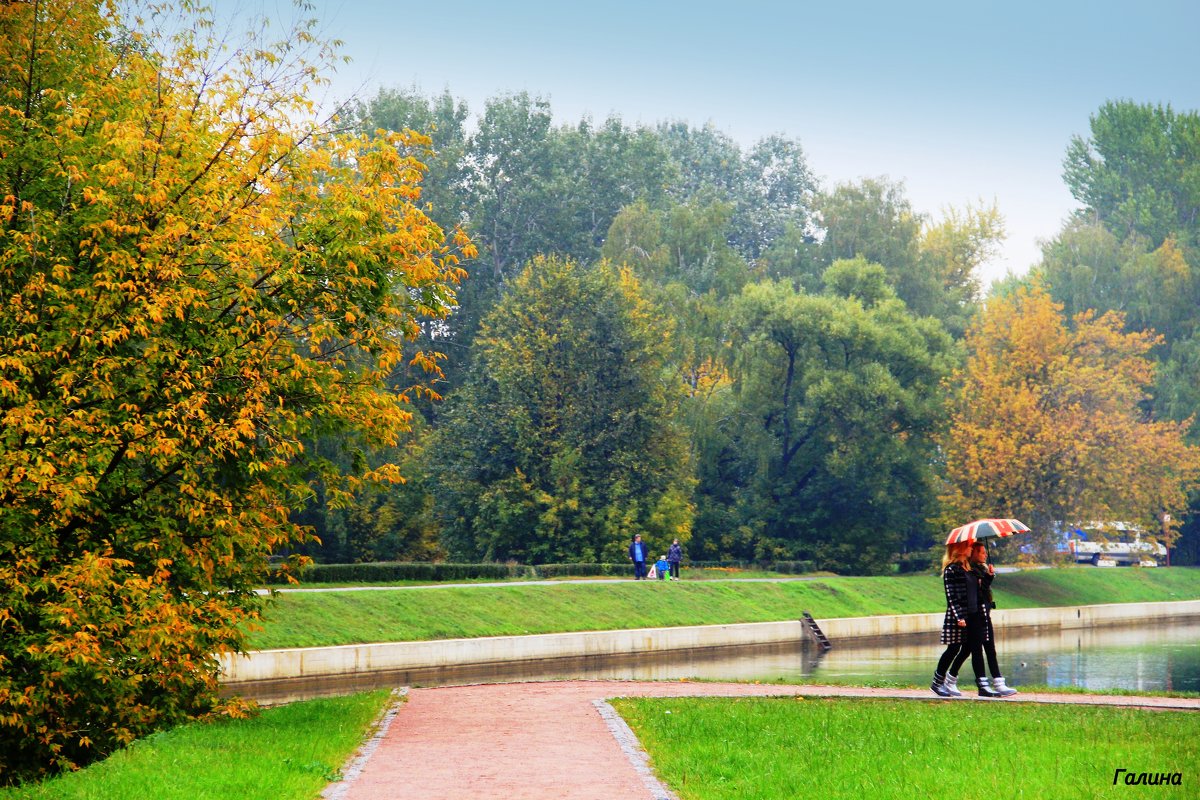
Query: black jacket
x=963 y=596
x=985 y=584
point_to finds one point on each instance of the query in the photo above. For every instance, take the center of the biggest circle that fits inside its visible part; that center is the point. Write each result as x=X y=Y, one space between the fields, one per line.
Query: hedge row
x=389 y=571
x=920 y=561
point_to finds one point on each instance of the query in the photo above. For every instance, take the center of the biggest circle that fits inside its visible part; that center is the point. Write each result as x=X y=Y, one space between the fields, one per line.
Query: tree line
x=791 y=354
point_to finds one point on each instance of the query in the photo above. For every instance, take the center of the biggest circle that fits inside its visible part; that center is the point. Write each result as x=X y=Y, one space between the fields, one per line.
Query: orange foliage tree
x=1049 y=422
x=195 y=275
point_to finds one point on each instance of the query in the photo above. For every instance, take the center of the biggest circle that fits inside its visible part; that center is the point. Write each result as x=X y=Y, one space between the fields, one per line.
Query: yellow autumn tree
x=195 y=276
x=1050 y=423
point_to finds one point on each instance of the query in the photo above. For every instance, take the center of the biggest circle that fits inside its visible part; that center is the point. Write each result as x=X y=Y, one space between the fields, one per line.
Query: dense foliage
x=193 y=282
x=701 y=221
x=1048 y=423
x=562 y=444
x=1134 y=247
x=826 y=451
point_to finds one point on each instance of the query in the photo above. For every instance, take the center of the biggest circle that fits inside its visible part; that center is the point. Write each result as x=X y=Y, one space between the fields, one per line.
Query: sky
x=965 y=102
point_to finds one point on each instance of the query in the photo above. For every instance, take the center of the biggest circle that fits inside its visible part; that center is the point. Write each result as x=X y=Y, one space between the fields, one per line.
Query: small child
x=662 y=567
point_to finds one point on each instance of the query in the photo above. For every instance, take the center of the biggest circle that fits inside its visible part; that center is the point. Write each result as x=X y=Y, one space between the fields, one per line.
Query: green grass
x=287 y=753
x=1091 y=586
x=1030 y=688
x=1025 y=688
x=315 y=619
x=777 y=748
x=692 y=574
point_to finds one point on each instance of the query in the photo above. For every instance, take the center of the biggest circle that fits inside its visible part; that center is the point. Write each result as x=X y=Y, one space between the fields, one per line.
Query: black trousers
x=989 y=650
x=971 y=645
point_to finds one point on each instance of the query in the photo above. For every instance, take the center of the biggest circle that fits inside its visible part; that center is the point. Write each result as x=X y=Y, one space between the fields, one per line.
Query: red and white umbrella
x=986 y=529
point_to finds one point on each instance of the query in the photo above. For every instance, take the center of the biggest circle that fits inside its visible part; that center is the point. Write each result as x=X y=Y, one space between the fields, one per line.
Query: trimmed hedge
x=580 y=570
x=387 y=571
x=390 y=571
x=920 y=561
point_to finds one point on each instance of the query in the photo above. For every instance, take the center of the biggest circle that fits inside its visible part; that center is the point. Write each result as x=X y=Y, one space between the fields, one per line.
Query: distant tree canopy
x=1139 y=172
x=825 y=449
x=562 y=443
x=1134 y=248
x=704 y=223
x=193 y=283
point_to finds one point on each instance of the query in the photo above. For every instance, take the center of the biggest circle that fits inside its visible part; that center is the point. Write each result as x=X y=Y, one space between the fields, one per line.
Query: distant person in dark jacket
x=638 y=555
x=674 y=557
x=986 y=574
x=964 y=626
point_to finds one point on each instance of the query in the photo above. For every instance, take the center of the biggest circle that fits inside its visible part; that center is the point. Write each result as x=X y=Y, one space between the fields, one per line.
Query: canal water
x=1157 y=657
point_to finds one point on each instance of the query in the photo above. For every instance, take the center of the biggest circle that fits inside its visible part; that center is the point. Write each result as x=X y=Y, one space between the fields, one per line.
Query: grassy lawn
x=301 y=619
x=692 y=574
x=287 y=753
x=777 y=748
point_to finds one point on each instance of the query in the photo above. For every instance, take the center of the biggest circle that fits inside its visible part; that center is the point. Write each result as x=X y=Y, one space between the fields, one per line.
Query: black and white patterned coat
x=963 y=597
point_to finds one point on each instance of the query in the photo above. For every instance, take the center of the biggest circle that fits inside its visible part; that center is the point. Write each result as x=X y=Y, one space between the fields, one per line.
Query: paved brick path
x=551 y=740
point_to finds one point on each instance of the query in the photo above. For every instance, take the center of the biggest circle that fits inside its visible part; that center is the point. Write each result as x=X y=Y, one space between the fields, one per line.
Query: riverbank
x=413 y=614
x=292 y=669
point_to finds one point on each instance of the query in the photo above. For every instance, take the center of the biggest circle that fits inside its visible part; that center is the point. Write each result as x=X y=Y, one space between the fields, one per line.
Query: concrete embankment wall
x=309 y=662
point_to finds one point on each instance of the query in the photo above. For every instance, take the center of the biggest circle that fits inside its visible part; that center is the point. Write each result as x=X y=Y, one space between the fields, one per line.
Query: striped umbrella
x=986 y=529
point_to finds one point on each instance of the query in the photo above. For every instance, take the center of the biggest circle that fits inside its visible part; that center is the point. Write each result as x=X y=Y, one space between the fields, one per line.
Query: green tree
x=193 y=285
x=602 y=169
x=872 y=219
x=377 y=522
x=1088 y=268
x=684 y=244
x=952 y=250
x=561 y=445
x=930 y=265
x=523 y=187
x=1135 y=246
x=1139 y=172
x=826 y=454
x=767 y=189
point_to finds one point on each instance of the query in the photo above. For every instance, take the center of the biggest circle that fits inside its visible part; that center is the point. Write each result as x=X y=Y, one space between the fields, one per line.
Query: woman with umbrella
x=963 y=628
x=967 y=623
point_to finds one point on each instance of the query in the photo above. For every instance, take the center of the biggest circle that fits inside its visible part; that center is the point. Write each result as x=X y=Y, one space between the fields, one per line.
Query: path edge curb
x=358 y=760
x=633 y=750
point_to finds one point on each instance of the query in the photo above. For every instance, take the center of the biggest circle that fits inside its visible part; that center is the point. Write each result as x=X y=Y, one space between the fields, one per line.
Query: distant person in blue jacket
x=638 y=554
x=662 y=567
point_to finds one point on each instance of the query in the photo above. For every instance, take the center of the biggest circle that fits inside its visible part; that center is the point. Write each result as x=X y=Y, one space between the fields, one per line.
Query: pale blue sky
x=963 y=101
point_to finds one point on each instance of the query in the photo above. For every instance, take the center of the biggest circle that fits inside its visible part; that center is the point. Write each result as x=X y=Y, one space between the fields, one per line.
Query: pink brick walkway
x=550 y=740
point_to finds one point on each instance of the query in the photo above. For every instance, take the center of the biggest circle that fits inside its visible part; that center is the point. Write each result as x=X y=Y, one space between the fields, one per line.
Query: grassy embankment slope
x=315 y=619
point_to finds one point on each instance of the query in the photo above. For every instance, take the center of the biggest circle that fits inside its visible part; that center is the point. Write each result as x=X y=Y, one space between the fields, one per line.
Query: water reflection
x=1155 y=657
x=1159 y=657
